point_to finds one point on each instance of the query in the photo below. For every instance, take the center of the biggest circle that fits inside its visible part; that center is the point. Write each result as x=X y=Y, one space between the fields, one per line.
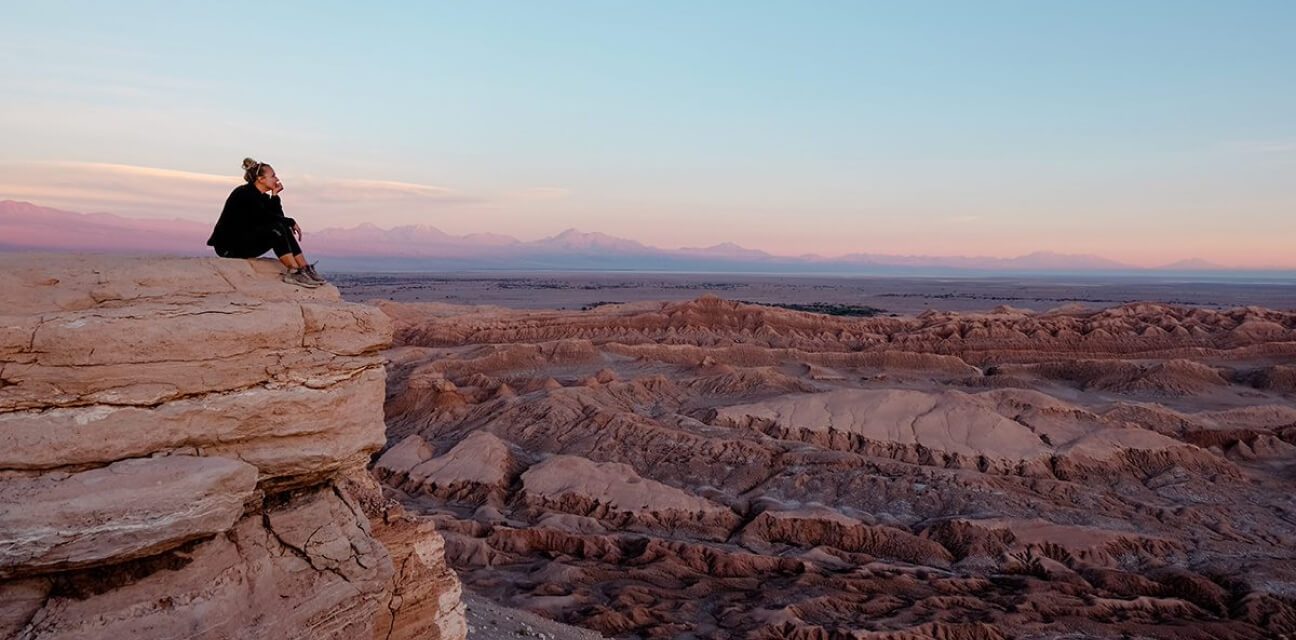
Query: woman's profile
x=253 y=223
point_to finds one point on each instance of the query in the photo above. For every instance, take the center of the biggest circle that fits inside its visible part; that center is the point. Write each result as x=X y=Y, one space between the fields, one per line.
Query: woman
x=253 y=223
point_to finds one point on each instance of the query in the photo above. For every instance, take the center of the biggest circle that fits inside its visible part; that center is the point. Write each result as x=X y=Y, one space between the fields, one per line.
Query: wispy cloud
x=168 y=193
x=350 y=190
x=136 y=172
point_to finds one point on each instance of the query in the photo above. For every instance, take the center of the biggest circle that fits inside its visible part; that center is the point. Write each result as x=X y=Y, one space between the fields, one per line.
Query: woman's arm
x=276 y=209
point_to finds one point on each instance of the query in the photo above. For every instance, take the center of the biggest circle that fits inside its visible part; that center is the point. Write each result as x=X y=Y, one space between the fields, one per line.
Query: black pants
x=260 y=240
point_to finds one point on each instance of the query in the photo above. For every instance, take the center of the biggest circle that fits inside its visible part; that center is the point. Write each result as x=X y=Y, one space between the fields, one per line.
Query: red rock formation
x=175 y=437
x=1277 y=377
x=715 y=469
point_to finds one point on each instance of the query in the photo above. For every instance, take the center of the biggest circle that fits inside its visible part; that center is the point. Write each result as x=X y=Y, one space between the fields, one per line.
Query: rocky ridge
x=183 y=445
x=724 y=470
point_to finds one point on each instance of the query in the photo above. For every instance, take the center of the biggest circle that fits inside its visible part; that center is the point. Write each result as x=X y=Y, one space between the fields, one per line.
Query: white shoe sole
x=299 y=283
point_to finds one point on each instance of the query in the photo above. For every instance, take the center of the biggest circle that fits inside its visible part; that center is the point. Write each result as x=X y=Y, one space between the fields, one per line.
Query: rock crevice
x=183 y=445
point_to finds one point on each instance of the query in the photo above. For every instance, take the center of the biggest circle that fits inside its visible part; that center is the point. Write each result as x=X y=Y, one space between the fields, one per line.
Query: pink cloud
x=153 y=192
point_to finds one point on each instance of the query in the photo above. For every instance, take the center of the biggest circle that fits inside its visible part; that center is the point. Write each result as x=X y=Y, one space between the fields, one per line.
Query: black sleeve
x=276 y=208
x=238 y=214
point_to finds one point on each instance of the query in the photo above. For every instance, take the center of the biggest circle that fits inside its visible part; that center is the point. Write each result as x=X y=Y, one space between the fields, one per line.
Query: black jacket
x=247 y=211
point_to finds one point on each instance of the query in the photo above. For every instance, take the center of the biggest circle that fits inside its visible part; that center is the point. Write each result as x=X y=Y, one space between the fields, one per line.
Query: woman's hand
x=296 y=229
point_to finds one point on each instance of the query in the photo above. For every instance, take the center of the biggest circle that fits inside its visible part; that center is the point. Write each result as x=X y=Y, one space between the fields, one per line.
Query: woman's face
x=268 y=180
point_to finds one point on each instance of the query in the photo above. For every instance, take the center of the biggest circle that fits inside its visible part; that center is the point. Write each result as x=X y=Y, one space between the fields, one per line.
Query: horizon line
x=1116 y=265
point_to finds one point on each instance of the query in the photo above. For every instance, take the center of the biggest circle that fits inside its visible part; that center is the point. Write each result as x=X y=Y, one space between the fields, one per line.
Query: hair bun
x=248 y=163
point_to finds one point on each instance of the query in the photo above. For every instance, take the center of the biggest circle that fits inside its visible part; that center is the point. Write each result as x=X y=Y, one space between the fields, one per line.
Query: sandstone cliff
x=182 y=455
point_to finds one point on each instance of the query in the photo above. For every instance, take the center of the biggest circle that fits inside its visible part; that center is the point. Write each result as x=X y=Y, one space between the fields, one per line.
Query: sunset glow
x=1147 y=135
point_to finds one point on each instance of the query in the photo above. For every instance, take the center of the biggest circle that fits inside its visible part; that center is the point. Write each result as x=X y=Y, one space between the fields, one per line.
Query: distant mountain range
x=28 y=227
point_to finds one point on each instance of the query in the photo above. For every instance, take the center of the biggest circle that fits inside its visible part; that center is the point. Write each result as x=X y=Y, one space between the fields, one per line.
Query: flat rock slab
x=127 y=510
x=246 y=583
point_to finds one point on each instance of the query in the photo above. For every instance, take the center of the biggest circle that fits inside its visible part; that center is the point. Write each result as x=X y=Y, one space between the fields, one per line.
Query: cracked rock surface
x=183 y=446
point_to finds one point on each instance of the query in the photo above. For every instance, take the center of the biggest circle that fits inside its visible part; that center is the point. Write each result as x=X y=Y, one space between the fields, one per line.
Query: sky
x=1146 y=131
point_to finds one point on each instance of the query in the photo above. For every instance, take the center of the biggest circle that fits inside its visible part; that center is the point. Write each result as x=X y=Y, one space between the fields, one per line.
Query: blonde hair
x=253 y=169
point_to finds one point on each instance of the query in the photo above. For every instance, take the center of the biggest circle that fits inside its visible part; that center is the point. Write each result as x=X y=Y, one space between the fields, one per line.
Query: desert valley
x=708 y=468
x=720 y=320
x=195 y=449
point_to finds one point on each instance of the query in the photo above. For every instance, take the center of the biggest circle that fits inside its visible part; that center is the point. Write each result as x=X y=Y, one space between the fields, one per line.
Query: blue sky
x=1143 y=131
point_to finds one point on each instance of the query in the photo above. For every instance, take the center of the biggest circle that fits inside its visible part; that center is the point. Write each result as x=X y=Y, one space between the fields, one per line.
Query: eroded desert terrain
x=708 y=468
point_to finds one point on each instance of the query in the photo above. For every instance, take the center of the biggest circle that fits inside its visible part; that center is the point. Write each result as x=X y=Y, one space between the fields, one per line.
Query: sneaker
x=300 y=279
x=313 y=274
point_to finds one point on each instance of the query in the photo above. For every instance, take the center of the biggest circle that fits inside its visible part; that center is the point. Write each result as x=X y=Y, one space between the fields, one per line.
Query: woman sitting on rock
x=253 y=223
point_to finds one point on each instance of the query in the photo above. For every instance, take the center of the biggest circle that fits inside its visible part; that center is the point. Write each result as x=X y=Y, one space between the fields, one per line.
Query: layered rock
x=904 y=422
x=717 y=469
x=815 y=527
x=998 y=431
x=747 y=332
x=476 y=470
x=614 y=493
x=174 y=436
x=57 y=522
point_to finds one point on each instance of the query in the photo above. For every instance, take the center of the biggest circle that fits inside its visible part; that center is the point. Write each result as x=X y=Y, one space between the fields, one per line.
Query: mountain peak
x=574 y=239
x=1192 y=264
x=24 y=225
